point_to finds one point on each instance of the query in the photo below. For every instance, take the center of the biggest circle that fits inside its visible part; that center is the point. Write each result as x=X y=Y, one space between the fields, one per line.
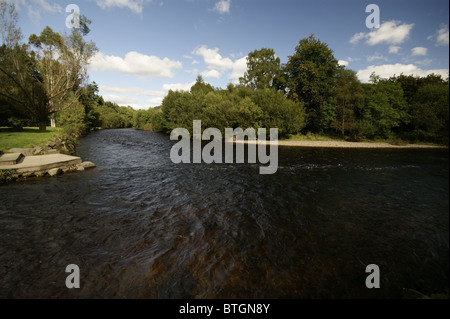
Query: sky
x=147 y=47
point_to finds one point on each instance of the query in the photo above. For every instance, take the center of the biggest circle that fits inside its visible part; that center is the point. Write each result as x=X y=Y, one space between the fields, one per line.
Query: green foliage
x=233 y=107
x=385 y=109
x=263 y=69
x=430 y=113
x=311 y=73
x=73 y=119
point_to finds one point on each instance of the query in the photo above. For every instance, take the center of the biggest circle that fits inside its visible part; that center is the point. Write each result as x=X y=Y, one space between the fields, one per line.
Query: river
x=140 y=226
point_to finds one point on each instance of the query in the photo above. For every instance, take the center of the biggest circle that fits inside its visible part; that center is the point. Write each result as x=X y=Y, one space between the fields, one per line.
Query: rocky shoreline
x=52 y=159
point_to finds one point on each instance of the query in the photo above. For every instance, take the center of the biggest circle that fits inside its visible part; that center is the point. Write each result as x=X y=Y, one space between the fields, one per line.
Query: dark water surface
x=139 y=226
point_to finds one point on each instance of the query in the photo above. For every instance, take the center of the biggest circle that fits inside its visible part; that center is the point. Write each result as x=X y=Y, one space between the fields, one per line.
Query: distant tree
x=200 y=87
x=349 y=97
x=311 y=71
x=263 y=68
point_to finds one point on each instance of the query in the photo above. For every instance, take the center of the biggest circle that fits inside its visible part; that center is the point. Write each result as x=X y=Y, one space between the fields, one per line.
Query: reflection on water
x=139 y=226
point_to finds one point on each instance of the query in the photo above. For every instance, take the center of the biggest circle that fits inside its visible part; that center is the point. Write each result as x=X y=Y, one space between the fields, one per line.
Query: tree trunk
x=53 y=122
x=43 y=126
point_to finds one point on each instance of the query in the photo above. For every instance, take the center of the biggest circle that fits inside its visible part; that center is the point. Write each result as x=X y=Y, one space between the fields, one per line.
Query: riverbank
x=345 y=144
x=37 y=154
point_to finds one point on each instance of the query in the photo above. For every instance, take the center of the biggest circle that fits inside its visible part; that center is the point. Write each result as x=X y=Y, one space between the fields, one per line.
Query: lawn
x=30 y=137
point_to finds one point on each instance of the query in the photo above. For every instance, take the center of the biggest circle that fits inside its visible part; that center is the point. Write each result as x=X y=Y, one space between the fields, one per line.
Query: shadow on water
x=139 y=226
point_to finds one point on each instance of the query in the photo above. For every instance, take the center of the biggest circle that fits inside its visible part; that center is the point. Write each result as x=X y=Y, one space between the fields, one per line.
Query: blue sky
x=147 y=47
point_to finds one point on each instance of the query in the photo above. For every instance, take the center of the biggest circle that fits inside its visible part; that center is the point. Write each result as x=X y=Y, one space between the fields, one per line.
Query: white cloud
x=156 y=101
x=357 y=37
x=55 y=7
x=350 y=59
x=36 y=7
x=121 y=100
x=130 y=90
x=193 y=71
x=375 y=57
x=441 y=37
x=222 y=6
x=343 y=62
x=390 y=32
x=211 y=74
x=419 y=51
x=217 y=64
x=239 y=68
x=388 y=70
x=136 y=6
x=213 y=59
x=135 y=63
x=136 y=97
x=178 y=86
x=394 y=49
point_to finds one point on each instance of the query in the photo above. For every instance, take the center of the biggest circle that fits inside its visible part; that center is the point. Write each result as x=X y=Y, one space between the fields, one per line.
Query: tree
x=8 y=20
x=349 y=97
x=311 y=72
x=385 y=108
x=263 y=67
x=21 y=83
x=430 y=113
x=62 y=64
x=200 y=87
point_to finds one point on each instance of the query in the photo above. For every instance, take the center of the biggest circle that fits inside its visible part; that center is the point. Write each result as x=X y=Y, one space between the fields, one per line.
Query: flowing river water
x=140 y=226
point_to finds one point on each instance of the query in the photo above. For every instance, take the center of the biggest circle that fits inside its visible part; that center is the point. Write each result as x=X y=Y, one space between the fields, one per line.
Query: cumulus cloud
x=375 y=57
x=419 y=51
x=135 y=63
x=441 y=37
x=136 y=97
x=239 y=68
x=394 y=49
x=121 y=100
x=213 y=59
x=343 y=62
x=388 y=70
x=390 y=32
x=217 y=64
x=130 y=90
x=211 y=74
x=222 y=6
x=135 y=6
x=178 y=86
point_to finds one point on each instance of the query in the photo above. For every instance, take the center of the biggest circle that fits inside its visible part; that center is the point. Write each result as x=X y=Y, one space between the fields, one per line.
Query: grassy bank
x=30 y=137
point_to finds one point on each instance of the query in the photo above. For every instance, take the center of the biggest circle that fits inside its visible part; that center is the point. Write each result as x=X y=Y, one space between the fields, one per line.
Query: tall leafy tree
x=311 y=71
x=21 y=84
x=62 y=64
x=263 y=68
x=385 y=107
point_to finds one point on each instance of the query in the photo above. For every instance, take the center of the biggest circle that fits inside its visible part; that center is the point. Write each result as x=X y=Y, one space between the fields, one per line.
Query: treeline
x=230 y=108
x=312 y=93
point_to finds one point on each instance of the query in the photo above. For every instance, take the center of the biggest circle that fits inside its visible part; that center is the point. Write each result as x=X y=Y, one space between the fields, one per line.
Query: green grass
x=30 y=137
